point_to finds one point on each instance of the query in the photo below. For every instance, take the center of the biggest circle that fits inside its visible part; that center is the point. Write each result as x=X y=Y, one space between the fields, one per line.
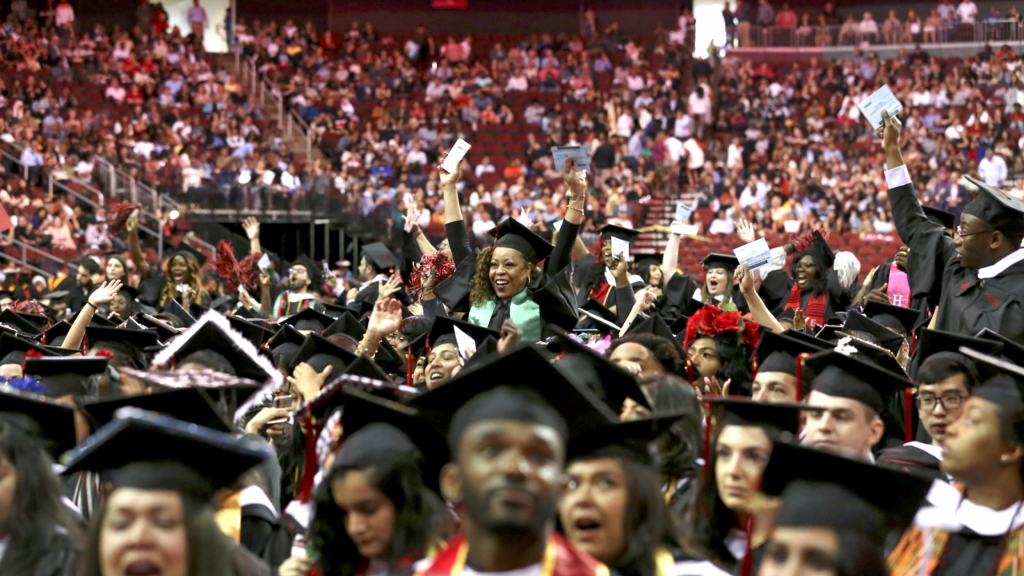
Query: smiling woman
x=506 y=281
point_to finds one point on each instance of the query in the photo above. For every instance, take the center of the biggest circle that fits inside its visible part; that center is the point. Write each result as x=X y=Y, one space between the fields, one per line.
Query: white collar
x=1001 y=266
x=736 y=542
x=374 y=280
x=254 y=495
x=948 y=510
x=633 y=278
x=299 y=296
x=932 y=450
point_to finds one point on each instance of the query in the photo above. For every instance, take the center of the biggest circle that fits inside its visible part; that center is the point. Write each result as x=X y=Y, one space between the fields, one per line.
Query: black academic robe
x=60 y=559
x=966 y=303
x=264 y=534
x=777 y=285
x=912 y=460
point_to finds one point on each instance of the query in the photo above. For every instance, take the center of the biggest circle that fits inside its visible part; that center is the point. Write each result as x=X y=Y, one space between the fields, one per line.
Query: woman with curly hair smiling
x=506 y=281
x=183 y=280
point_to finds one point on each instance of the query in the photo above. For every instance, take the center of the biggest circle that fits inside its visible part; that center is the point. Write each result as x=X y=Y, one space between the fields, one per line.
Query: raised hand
x=132 y=224
x=446 y=178
x=880 y=295
x=386 y=318
x=576 y=182
x=890 y=130
x=386 y=289
x=745 y=230
x=799 y=322
x=745 y=279
x=105 y=293
x=307 y=381
x=251 y=227
x=509 y=337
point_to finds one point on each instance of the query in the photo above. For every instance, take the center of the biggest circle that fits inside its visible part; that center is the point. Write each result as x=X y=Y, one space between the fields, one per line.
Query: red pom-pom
x=225 y=263
x=117 y=216
x=438 y=266
x=249 y=271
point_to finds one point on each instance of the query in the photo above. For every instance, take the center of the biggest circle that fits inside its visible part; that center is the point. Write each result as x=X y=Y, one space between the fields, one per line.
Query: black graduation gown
x=264 y=535
x=970 y=554
x=552 y=292
x=777 y=285
x=60 y=559
x=966 y=303
x=912 y=460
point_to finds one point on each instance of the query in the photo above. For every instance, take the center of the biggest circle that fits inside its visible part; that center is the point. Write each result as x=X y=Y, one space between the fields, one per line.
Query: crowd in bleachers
x=783 y=147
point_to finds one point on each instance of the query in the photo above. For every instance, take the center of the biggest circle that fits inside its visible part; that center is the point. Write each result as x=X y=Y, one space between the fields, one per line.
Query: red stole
x=814 y=315
x=560 y=559
x=601 y=291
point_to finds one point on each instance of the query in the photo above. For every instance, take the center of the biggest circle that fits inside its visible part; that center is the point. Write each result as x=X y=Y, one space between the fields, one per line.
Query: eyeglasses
x=959 y=230
x=948 y=402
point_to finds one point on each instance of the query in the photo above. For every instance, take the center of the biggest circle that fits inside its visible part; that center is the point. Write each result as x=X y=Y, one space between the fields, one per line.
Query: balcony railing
x=997 y=32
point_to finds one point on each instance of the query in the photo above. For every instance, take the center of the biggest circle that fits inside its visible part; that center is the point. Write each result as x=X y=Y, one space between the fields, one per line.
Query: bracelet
x=91 y=304
x=572 y=198
x=580 y=210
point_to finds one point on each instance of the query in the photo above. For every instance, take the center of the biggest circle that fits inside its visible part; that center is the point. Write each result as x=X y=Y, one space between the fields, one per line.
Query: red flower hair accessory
x=711 y=321
x=438 y=266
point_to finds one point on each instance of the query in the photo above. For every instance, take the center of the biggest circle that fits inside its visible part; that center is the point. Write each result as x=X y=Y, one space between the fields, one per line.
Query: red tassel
x=707 y=441
x=913 y=342
x=753 y=369
x=689 y=371
x=908 y=399
x=799 y=374
x=408 y=368
x=748 y=556
x=309 y=466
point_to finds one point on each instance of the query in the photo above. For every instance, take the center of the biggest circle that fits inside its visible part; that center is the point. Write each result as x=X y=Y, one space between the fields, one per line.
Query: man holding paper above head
x=976 y=275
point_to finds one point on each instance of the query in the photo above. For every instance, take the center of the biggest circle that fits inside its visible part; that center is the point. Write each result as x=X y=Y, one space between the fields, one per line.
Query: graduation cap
x=595 y=313
x=678 y=325
x=363 y=366
x=286 y=335
x=223 y=303
x=184 y=247
x=823 y=490
x=28 y=324
x=778 y=352
x=381 y=432
x=243 y=312
x=56 y=422
x=586 y=368
x=175 y=308
x=775 y=417
x=213 y=343
x=314 y=270
x=931 y=343
x=855 y=377
x=252 y=332
x=96 y=320
x=13 y=349
x=101 y=336
x=65 y=376
x=308 y=320
x=130 y=294
x=513 y=234
x=387 y=357
x=380 y=257
x=655 y=324
x=54 y=336
x=724 y=261
x=945 y=219
x=444 y=332
x=319 y=353
x=896 y=318
x=612 y=231
x=997 y=208
x=887 y=338
x=148 y=451
x=164 y=331
x=520 y=385
x=875 y=354
x=195 y=405
x=819 y=248
x=336 y=310
x=347 y=324
x=1011 y=349
x=629 y=440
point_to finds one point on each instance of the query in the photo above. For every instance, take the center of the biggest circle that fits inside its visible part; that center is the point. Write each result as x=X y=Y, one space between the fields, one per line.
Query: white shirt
x=992 y=170
x=947 y=509
x=65 y=14
x=967 y=11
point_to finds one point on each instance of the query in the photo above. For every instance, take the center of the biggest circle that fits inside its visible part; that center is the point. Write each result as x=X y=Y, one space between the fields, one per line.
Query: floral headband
x=711 y=321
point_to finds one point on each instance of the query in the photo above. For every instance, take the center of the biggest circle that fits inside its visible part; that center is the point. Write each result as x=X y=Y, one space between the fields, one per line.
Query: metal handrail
x=16 y=160
x=902 y=34
x=54 y=184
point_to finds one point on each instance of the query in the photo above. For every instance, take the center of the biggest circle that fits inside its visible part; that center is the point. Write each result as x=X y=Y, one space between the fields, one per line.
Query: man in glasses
x=974 y=278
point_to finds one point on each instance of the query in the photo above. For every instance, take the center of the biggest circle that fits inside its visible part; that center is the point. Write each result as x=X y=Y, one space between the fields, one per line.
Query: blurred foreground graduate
x=975 y=526
x=38 y=532
x=508 y=445
x=504 y=281
x=159 y=515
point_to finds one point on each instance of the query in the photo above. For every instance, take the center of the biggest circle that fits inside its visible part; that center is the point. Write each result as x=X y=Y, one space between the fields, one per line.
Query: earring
x=1003 y=458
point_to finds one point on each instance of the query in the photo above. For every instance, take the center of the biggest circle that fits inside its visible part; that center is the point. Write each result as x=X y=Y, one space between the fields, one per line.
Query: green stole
x=523 y=310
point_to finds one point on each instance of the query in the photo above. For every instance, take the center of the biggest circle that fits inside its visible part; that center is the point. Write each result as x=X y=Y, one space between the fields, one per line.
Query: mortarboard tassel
x=908 y=399
x=689 y=371
x=799 y=374
x=748 y=557
x=753 y=369
x=408 y=367
x=309 y=466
